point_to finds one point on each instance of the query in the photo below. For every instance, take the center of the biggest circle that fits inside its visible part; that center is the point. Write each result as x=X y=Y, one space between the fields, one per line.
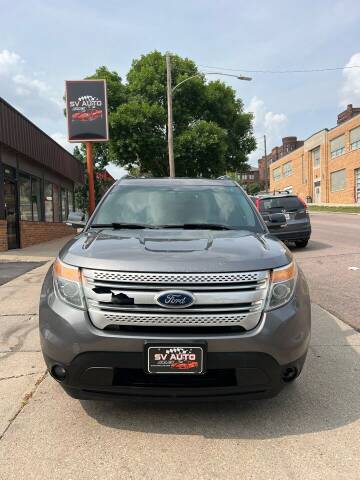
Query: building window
x=355 y=138
x=337 y=146
x=56 y=203
x=64 y=205
x=303 y=170
x=25 y=197
x=36 y=198
x=338 y=180
x=277 y=173
x=30 y=198
x=315 y=155
x=287 y=169
x=70 y=195
x=49 y=202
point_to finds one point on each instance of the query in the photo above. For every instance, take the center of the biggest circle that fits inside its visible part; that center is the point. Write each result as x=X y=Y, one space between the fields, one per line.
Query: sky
x=43 y=43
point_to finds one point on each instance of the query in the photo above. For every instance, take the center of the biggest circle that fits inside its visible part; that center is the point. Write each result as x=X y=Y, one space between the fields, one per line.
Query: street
x=310 y=431
x=334 y=248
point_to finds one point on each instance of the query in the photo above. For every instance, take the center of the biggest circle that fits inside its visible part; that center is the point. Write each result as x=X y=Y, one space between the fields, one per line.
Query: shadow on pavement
x=325 y=397
x=312 y=246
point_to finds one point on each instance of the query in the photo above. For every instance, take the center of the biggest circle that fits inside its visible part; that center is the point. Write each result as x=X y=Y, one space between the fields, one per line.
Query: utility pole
x=170 y=117
x=266 y=167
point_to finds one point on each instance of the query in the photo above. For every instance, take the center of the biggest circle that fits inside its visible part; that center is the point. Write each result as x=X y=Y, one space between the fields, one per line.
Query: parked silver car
x=175 y=289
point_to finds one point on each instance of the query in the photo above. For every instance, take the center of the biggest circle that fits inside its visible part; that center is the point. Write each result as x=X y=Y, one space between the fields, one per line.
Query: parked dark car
x=297 y=227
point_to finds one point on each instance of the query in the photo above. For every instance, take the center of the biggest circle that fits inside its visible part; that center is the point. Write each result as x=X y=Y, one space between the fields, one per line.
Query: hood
x=175 y=251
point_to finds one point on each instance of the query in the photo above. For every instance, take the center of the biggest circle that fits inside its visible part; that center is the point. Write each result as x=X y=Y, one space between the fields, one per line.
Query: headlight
x=282 y=285
x=67 y=280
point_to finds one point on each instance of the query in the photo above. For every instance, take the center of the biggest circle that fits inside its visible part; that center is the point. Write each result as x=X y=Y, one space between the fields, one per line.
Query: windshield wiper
x=117 y=225
x=201 y=226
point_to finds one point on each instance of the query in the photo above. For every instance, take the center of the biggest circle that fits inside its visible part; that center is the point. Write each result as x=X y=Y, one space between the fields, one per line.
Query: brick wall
x=350 y=161
x=304 y=175
x=298 y=180
x=3 y=236
x=32 y=233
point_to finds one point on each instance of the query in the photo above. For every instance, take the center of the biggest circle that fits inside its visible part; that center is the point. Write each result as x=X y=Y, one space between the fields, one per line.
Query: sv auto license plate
x=175 y=359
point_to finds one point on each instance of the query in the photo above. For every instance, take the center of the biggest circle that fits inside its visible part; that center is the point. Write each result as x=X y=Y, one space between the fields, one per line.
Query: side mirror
x=275 y=220
x=76 y=220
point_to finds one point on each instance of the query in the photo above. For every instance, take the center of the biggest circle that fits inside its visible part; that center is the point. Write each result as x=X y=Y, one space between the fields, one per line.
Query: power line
x=310 y=70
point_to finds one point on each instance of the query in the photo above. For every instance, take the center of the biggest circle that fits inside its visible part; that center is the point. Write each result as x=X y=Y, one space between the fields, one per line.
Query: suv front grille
x=221 y=299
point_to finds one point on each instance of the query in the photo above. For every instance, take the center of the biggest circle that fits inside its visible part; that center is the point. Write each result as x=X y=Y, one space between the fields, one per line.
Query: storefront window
x=36 y=198
x=25 y=197
x=56 y=203
x=49 y=202
x=70 y=200
x=64 y=205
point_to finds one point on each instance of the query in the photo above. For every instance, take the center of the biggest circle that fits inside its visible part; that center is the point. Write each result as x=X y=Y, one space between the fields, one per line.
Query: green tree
x=100 y=185
x=212 y=133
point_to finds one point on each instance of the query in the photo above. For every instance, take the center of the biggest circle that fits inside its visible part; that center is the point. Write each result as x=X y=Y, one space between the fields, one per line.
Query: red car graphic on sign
x=184 y=366
x=87 y=116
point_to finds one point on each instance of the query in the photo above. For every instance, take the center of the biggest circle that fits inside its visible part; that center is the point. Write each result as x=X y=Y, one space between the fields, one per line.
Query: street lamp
x=170 y=90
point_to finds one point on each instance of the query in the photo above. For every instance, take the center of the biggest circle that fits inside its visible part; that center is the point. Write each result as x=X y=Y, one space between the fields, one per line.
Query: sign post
x=90 y=170
x=86 y=109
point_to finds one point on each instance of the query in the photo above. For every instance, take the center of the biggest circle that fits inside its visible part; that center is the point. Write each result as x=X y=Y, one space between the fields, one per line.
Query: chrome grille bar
x=220 y=299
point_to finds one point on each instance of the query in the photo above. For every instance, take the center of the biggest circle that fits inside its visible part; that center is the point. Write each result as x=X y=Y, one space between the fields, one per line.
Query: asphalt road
x=328 y=263
x=11 y=270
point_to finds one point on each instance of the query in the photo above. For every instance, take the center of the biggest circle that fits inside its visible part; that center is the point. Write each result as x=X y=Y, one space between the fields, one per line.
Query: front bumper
x=103 y=363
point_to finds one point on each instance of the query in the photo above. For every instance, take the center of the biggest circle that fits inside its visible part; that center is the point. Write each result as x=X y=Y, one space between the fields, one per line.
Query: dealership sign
x=86 y=109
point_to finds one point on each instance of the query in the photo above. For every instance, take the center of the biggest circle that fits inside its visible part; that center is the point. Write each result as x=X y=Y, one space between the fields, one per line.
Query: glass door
x=11 y=212
x=357 y=185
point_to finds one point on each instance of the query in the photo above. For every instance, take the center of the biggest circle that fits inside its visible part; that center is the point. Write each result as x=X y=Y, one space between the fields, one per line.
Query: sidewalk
x=36 y=253
x=21 y=363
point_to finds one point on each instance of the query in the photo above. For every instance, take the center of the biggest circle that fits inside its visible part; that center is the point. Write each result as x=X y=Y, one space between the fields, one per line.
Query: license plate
x=175 y=359
x=287 y=216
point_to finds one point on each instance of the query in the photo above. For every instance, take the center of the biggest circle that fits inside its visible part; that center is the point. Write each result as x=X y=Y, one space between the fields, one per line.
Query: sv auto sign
x=86 y=109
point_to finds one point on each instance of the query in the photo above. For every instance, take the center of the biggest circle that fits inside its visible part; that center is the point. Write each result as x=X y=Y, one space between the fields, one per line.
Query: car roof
x=175 y=182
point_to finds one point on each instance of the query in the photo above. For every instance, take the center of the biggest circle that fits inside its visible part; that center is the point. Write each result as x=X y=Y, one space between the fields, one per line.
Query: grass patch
x=321 y=208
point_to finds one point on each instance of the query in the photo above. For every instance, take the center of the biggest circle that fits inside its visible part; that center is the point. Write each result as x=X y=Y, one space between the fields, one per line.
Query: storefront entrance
x=317 y=192
x=357 y=185
x=11 y=213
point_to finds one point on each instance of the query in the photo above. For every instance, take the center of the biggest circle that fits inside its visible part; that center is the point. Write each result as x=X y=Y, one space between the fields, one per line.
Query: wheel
x=301 y=243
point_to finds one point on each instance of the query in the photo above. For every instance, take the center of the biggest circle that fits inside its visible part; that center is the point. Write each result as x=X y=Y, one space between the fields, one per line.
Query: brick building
x=37 y=180
x=250 y=176
x=327 y=167
x=288 y=145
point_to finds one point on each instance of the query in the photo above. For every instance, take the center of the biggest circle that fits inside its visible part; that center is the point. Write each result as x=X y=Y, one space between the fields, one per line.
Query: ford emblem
x=175 y=299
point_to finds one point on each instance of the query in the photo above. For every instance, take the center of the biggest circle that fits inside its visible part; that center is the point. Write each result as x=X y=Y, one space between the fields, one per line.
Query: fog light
x=59 y=372
x=289 y=374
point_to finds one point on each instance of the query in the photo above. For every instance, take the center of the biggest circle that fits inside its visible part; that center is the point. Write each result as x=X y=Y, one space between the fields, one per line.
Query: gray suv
x=174 y=288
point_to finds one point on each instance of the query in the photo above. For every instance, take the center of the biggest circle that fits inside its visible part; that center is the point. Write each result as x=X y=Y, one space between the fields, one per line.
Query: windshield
x=158 y=206
x=280 y=203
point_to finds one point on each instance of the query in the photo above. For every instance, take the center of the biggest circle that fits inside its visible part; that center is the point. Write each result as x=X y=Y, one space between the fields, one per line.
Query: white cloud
x=266 y=123
x=61 y=139
x=9 y=62
x=22 y=87
x=350 y=91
